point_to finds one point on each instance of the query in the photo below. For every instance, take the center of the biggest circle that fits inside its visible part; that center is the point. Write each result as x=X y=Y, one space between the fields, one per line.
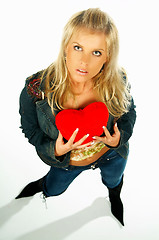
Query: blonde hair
x=110 y=82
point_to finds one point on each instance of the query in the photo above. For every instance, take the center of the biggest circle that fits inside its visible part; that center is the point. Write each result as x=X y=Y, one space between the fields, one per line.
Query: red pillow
x=89 y=120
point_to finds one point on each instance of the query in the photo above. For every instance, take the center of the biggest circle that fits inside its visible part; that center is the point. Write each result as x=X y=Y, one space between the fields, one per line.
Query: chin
x=79 y=79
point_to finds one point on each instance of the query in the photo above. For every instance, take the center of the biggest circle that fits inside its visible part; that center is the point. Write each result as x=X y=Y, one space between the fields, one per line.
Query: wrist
x=57 y=153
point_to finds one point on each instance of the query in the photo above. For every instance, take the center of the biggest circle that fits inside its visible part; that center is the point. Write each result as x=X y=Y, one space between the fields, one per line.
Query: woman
x=85 y=72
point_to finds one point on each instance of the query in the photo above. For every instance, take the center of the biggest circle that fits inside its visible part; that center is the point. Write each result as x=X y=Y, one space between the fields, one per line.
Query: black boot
x=116 y=203
x=31 y=189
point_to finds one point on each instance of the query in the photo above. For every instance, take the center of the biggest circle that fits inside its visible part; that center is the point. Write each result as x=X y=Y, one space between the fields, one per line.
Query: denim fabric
x=111 y=166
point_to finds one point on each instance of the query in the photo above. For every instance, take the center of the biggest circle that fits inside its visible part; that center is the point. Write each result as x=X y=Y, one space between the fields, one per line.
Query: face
x=85 y=55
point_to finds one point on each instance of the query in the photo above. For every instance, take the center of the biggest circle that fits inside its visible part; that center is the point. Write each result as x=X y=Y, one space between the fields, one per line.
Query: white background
x=30 y=39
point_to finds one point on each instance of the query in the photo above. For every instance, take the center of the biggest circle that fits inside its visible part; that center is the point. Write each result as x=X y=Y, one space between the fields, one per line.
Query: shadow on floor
x=11 y=209
x=62 y=228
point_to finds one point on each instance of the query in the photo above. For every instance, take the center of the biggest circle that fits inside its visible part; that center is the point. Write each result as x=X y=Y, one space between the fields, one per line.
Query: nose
x=84 y=59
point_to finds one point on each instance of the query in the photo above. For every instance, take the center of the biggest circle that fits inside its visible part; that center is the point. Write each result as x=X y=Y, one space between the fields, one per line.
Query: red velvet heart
x=89 y=120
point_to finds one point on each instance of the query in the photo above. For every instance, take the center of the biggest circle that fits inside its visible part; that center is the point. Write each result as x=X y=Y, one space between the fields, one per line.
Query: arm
x=44 y=145
x=126 y=124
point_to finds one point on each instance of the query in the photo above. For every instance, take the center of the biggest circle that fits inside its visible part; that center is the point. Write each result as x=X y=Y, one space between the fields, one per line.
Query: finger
x=107 y=133
x=86 y=145
x=81 y=141
x=98 y=139
x=60 y=137
x=72 y=138
x=116 y=129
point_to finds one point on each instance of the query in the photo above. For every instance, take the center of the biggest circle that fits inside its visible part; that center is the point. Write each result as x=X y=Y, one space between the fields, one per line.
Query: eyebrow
x=96 y=49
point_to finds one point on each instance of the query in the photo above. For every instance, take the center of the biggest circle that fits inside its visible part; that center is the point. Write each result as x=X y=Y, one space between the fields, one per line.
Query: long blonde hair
x=110 y=82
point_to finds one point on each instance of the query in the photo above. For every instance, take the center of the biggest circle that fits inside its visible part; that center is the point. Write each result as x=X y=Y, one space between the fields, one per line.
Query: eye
x=97 y=53
x=77 y=48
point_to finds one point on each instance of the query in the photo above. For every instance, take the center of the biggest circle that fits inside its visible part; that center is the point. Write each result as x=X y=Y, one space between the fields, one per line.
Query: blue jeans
x=111 y=166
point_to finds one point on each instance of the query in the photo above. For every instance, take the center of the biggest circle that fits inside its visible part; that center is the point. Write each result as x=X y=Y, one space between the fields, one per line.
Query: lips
x=81 y=71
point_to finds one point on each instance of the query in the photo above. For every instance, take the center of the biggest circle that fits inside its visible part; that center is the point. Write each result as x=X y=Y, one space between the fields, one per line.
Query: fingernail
x=103 y=127
x=94 y=137
x=92 y=142
x=87 y=135
x=77 y=129
x=115 y=124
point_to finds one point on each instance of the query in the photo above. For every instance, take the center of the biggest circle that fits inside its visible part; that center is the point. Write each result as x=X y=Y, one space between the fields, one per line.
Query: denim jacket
x=38 y=125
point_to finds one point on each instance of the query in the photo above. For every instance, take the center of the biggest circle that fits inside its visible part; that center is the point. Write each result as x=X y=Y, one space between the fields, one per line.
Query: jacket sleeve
x=30 y=127
x=126 y=124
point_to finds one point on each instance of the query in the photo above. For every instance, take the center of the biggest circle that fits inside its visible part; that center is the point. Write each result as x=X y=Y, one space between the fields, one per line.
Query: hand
x=110 y=140
x=62 y=148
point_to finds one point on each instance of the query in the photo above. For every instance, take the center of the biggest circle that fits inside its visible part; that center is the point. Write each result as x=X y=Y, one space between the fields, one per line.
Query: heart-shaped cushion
x=89 y=120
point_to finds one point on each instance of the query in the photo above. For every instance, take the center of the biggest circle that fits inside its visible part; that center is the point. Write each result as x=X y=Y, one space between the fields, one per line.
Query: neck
x=79 y=88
